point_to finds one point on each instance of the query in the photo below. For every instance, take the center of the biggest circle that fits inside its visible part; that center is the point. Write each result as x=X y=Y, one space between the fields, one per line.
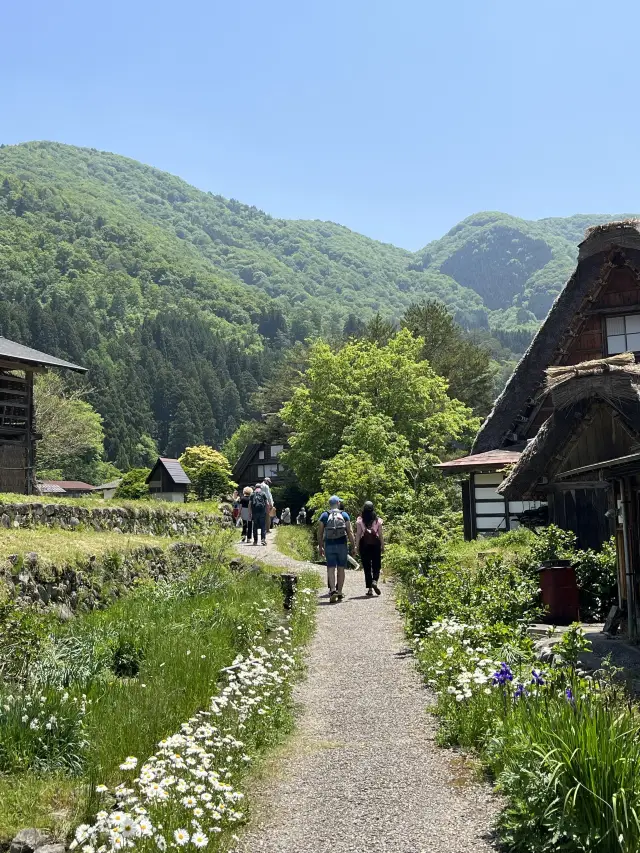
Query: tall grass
x=145 y=665
x=297 y=542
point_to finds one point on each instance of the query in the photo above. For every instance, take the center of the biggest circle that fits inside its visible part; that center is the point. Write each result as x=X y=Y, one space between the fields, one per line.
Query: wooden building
x=66 y=488
x=18 y=435
x=258 y=461
x=168 y=481
x=596 y=316
x=571 y=410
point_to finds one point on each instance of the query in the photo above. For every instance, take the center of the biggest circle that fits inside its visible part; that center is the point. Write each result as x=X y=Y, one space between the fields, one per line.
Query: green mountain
x=179 y=301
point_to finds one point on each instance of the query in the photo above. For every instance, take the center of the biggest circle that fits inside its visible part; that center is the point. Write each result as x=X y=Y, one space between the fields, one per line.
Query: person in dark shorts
x=334 y=532
x=370 y=546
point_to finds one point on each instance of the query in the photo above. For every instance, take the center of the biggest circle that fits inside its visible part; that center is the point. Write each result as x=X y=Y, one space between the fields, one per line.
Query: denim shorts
x=336 y=553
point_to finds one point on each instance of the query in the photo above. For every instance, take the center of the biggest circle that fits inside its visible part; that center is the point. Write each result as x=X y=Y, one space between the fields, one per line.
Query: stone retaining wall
x=91 y=582
x=161 y=521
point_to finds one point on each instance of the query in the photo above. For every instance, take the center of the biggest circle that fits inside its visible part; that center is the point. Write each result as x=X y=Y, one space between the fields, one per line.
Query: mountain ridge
x=180 y=300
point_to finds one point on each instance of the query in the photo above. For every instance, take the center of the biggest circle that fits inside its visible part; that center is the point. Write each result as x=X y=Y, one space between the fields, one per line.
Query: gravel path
x=362 y=774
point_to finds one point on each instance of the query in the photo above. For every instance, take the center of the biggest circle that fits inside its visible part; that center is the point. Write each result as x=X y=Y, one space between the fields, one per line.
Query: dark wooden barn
x=18 y=430
x=168 y=481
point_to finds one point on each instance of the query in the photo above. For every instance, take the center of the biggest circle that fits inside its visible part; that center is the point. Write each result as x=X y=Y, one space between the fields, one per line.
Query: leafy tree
x=364 y=380
x=208 y=470
x=465 y=365
x=72 y=433
x=248 y=432
x=133 y=486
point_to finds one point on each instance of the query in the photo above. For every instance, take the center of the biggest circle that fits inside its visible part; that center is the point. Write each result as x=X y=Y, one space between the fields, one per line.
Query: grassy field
x=143 y=667
x=297 y=542
x=67 y=545
x=93 y=502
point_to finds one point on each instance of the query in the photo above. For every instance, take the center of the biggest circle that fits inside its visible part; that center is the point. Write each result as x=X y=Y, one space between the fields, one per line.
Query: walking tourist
x=245 y=513
x=285 y=518
x=334 y=529
x=370 y=546
x=301 y=518
x=271 y=510
x=259 y=514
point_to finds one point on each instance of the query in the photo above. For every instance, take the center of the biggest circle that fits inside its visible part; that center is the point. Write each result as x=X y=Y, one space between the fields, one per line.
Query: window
x=271 y=470
x=261 y=454
x=260 y=472
x=623 y=334
x=276 y=450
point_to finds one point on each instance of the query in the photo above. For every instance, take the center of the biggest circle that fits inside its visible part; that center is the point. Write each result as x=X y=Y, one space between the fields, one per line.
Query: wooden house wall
x=602 y=437
x=14 y=469
x=583 y=511
x=619 y=294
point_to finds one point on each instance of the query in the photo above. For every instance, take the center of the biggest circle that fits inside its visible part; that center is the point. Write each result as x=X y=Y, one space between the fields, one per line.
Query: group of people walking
x=256 y=510
x=335 y=532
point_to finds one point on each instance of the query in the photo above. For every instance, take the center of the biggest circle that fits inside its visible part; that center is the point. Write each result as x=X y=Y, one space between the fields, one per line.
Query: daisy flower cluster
x=47 y=725
x=187 y=793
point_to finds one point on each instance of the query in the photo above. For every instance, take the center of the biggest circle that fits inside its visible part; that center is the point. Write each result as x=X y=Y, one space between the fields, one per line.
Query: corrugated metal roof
x=18 y=352
x=73 y=485
x=112 y=485
x=175 y=470
x=50 y=489
x=491 y=458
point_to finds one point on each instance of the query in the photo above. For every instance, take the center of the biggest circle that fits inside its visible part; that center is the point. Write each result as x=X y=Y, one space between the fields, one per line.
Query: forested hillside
x=179 y=301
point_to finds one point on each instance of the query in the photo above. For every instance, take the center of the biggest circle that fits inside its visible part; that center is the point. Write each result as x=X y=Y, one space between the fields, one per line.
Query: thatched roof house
x=572 y=399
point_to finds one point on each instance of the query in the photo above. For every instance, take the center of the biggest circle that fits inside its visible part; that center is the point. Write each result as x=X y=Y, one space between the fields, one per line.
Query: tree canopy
x=365 y=409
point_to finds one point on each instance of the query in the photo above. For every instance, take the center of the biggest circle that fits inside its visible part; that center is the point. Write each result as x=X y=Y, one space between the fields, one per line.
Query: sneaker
x=340 y=595
x=376 y=589
x=264 y=541
x=243 y=540
x=334 y=596
x=369 y=592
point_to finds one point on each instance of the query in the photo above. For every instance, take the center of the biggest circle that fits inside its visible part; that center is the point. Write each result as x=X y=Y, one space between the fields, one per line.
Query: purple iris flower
x=502 y=675
x=569 y=694
x=520 y=692
x=536 y=678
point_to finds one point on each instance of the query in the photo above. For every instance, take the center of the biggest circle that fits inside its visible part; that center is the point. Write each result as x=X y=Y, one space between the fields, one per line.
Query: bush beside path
x=363 y=771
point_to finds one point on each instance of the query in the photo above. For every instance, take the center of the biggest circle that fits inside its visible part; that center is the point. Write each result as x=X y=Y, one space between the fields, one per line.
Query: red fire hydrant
x=559 y=589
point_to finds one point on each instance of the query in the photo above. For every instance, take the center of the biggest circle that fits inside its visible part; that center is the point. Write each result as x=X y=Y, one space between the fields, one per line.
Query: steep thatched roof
x=595 y=259
x=576 y=390
x=612 y=379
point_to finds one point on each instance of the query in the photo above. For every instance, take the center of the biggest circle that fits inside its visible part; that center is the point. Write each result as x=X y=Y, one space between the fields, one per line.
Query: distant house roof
x=112 y=485
x=490 y=460
x=174 y=469
x=68 y=485
x=50 y=489
x=17 y=352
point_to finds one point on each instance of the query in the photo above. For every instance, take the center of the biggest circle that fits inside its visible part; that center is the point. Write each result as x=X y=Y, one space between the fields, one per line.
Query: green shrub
x=134 y=486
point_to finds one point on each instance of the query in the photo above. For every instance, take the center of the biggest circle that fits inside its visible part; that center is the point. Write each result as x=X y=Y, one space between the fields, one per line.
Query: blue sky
x=395 y=118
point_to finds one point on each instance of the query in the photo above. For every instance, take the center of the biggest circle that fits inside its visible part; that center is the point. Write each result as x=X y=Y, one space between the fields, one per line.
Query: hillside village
x=139 y=623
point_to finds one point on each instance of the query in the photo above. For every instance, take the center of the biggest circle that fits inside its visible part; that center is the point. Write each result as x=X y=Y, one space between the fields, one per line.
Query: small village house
x=107 y=490
x=569 y=417
x=259 y=460
x=18 y=430
x=168 y=481
x=66 y=488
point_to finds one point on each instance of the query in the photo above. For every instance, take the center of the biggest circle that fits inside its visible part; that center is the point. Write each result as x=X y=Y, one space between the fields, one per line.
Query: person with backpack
x=285 y=518
x=370 y=546
x=334 y=530
x=259 y=506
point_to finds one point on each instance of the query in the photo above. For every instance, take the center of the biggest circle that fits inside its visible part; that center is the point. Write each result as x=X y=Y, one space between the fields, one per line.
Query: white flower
x=181 y=837
x=199 y=839
x=101 y=789
x=130 y=763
